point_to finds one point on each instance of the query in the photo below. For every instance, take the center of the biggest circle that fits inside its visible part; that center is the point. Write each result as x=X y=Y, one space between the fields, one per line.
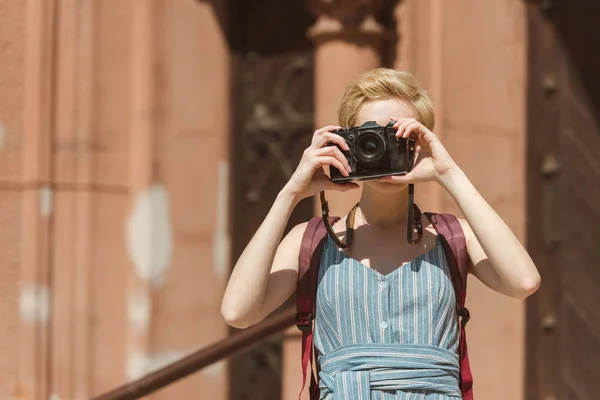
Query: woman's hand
x=496 y=255
x=309 y=178
x=432 y=161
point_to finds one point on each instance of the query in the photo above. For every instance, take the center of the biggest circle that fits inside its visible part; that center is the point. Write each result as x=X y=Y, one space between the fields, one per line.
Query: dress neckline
x=398 y=268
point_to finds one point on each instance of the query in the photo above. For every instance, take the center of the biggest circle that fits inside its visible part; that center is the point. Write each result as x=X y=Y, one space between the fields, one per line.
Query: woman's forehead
x=381 y=111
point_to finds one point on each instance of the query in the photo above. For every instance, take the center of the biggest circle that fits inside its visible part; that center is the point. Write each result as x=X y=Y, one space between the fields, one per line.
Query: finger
x=332 y=161
x=398 y=121
x=401 y=126
x=335 y=152
x=428 y=136
x=402 y=122
x=395 y=179
x=417 y=152
x=406 y=127
x=324 y=129
x=333 y=138
x=413 y=127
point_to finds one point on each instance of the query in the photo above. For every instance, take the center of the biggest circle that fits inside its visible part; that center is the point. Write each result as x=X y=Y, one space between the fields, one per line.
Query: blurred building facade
x=142 y=142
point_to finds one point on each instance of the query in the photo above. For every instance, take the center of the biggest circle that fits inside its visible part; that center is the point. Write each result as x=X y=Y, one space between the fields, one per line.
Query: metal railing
x=202 y=358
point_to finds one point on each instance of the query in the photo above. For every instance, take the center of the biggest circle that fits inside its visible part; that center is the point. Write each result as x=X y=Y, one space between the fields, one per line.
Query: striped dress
x=391 y=336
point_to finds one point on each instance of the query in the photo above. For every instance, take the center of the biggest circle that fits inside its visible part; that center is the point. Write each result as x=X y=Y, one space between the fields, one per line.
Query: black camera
x=374 y=152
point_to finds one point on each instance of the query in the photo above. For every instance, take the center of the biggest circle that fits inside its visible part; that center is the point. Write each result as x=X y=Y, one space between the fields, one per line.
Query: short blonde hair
x=384 y=84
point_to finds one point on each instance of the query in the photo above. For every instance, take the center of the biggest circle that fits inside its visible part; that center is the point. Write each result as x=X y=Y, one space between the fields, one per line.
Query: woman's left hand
x=432 y=161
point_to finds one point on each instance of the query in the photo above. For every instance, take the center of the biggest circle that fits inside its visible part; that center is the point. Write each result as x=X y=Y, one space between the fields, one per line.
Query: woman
x=381 y=290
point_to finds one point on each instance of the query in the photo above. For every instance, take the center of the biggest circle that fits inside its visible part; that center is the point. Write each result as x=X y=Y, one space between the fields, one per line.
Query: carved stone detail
x=274 y=118
x=348 y=12
x=349 y=19
x=273 y=125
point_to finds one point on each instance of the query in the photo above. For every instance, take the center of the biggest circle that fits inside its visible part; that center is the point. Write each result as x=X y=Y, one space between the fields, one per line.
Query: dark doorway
x=563 y=335
x=272 y=124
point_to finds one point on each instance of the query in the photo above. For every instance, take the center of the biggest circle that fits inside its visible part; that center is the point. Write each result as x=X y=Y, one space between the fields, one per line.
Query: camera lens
x=369 y=148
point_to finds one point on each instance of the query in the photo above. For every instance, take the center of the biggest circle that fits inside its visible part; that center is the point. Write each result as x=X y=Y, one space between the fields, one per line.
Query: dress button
x=384 y=325
x=383 y=285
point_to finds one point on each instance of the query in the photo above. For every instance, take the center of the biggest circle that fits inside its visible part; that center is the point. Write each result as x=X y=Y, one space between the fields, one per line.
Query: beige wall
x=471 y=55
x=12 y=32
x=114 y=181
x=114 y=187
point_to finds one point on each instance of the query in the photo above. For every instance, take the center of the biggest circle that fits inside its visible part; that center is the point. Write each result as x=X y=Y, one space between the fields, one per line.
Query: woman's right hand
x=310 y=178
x=266 y=274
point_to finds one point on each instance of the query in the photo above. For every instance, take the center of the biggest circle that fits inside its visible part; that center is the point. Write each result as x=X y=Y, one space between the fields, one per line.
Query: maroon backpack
x=455 y=247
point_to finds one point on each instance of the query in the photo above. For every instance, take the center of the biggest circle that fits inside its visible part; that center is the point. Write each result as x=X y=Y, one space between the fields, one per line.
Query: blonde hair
x=384 y=84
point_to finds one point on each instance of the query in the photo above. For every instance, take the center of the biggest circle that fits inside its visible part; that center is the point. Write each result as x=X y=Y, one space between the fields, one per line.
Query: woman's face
x=381 y=111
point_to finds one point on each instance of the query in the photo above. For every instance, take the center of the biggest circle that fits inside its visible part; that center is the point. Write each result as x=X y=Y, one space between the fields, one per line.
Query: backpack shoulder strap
x=454 y=242
x=309 y=259
x=453 y=239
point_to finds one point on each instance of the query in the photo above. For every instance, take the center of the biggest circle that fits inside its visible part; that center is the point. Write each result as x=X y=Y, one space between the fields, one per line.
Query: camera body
x=374 y=152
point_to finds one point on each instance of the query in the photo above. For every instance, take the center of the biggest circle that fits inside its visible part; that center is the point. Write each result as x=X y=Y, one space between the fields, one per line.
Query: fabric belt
x=352 y=371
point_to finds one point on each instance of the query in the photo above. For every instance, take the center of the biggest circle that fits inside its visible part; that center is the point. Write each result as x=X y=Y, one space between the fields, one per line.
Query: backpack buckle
x=304 y=321
x=465 y=316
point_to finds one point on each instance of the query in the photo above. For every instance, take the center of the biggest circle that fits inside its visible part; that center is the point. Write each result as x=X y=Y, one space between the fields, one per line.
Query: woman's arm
x=498 y=258
x=266 y=273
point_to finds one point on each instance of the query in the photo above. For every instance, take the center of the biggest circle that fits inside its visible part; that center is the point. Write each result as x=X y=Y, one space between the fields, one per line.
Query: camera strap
x=414 y=218
x=413 y=225
x=349 y=223
x=414 y=213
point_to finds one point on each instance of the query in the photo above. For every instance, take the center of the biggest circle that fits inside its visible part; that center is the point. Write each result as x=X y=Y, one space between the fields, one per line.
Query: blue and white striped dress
x=391 y=336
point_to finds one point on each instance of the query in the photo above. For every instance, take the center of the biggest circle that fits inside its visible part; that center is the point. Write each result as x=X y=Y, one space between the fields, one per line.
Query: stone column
x=476 y=79
x=484 y=105
x=192 y=144
x=35 y=201
x=98 y=66
x=348 y=40
x=139 y=211
x=19 y=322
x=114 y=126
